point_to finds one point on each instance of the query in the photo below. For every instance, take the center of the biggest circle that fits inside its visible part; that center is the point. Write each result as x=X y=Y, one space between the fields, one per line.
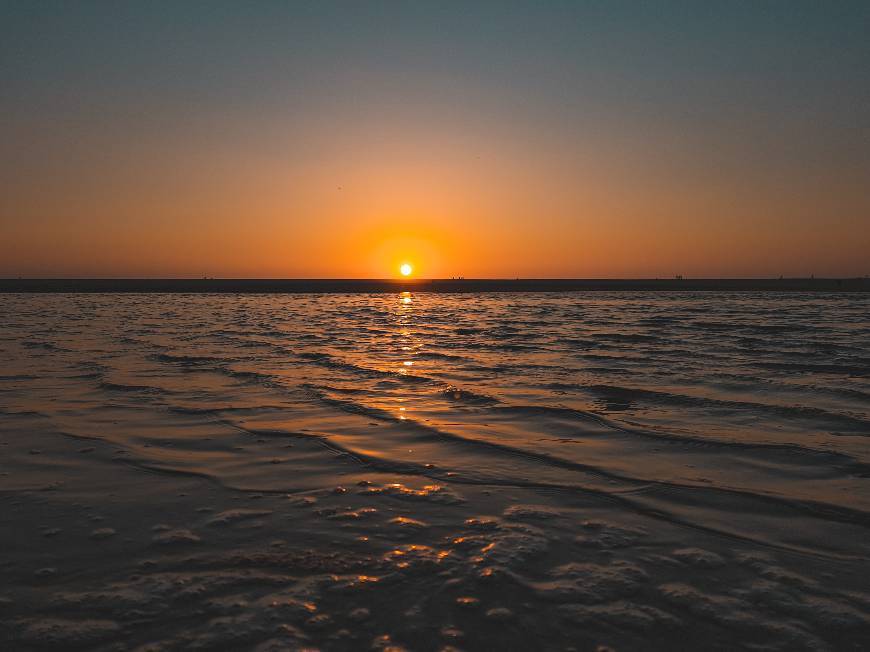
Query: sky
x=477 y=139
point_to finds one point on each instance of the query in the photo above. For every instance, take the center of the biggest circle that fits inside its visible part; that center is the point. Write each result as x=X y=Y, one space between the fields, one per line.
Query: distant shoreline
x=308 y=286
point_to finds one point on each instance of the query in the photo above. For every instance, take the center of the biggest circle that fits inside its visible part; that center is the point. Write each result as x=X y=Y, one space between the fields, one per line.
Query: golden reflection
x=404 y=316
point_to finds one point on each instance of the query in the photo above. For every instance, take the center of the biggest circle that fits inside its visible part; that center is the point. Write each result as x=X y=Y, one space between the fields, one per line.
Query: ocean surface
x=419 y=471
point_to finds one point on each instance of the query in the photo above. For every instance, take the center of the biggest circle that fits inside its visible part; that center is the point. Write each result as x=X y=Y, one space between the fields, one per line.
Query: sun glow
x=406 y=269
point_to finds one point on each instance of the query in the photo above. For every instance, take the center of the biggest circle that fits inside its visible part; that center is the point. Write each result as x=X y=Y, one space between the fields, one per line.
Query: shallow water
x=496 y=471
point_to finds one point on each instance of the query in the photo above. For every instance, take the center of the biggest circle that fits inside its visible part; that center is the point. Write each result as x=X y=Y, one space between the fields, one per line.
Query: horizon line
x=455 y=285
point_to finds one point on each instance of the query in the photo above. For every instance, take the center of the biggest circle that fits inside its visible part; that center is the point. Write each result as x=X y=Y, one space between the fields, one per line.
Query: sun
x=406 y=269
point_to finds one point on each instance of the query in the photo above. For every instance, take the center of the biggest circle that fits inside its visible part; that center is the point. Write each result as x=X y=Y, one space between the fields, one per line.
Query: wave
x=190 y=360
x=467 y=397
x=632 y=338
x=46 y=346
x=790 y=453
x=853 y=424
x=648 y=497
x=129 y=388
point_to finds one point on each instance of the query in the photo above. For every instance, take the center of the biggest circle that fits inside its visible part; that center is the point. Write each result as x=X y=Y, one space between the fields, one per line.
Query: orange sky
x=475 y=160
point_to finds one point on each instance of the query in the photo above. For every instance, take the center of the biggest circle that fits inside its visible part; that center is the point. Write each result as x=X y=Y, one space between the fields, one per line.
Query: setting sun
x=406 y=269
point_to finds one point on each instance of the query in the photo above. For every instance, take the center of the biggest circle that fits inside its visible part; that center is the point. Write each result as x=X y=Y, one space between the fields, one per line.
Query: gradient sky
x=482 y=139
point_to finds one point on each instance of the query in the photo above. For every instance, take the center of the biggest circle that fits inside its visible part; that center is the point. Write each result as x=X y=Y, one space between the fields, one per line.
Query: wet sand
x=549 y=472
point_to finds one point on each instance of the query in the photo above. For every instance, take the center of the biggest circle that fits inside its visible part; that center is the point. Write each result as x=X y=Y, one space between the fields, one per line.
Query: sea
x=426 y=471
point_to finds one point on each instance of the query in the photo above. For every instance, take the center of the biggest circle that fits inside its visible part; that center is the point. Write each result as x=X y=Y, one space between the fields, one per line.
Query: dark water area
x=428 y=471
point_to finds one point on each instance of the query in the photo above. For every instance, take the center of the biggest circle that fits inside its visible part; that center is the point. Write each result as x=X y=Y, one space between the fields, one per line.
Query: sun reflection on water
x=404 y=313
